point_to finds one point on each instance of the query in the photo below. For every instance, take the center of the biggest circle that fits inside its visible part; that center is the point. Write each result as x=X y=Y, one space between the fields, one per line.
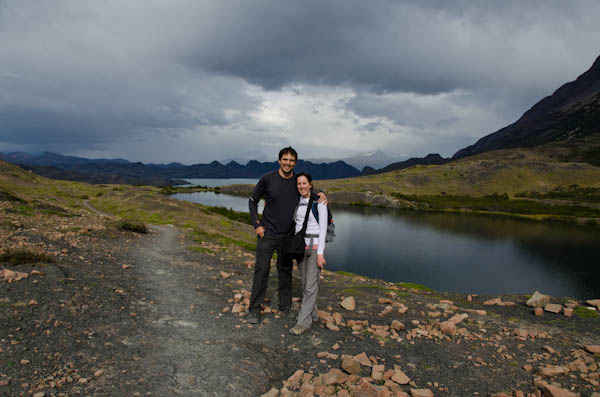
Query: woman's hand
x=321 y=261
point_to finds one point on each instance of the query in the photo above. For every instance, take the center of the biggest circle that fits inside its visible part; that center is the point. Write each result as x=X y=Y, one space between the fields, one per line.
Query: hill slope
x=571 y=111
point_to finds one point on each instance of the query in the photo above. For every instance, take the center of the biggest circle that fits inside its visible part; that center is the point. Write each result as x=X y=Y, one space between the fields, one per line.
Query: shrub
x=133 y=226
x=19 y=257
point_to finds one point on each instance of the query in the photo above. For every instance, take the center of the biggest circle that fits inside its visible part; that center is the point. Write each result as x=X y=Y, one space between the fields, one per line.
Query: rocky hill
x=430 y=159
x=572 y=111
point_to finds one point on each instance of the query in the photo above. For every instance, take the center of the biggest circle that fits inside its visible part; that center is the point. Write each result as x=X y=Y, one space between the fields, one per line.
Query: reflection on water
x=463 y=253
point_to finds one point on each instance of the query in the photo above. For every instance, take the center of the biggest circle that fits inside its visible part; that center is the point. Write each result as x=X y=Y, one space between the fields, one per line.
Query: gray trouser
x=310 y=274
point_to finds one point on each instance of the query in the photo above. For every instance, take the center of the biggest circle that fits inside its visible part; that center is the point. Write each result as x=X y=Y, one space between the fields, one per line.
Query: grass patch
x=199 y=236
x=414 y=286
x=132 y=226
x=242 y=217
x=19 y=257
x=583 y=312
x=350 y=291
x=499 y=203
x=573 y=192
x=202 y=250
x=345 y=273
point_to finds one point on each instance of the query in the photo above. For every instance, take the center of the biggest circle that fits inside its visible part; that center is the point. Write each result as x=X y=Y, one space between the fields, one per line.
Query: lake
x=455 y=252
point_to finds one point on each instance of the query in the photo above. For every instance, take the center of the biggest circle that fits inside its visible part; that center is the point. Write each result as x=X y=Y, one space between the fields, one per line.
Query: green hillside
x=47 y=202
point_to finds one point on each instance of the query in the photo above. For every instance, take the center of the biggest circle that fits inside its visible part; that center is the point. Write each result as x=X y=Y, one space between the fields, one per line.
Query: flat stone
x=538 y=311
x=349 y=303
x=553 y=370
x=593 y=348
x=271 y=393
x=594 y=302
x=553 y=308
x=421 y=393
x=553 y=391
x=448 y=328
x=400 y=377
x=538 y=300
x=397 y=325
x=333 y=376
x=567 y=312
x=337 y=317
x=363 y=359
x=495 y=301
x=458 y=318
x=377 y=372
x=351 y=365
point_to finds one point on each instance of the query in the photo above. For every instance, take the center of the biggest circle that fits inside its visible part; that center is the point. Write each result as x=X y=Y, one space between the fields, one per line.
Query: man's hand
x=322 y=198
x=321 y=261
x=260 y=231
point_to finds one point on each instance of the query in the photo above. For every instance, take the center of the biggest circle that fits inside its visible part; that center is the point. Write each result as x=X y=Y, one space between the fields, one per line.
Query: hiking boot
x=298 y=330
x=253 y=317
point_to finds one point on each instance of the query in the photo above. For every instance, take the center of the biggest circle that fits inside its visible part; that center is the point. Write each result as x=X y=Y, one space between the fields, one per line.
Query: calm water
x=220 y=182
x=461 y=253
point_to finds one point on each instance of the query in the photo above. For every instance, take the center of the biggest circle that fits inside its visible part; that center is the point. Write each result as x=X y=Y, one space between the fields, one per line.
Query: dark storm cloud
x=419 y=46
x=162 y=80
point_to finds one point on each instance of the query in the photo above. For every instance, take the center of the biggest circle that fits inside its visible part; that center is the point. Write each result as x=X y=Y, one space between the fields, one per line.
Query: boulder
x=594 y=302
x=538 y=300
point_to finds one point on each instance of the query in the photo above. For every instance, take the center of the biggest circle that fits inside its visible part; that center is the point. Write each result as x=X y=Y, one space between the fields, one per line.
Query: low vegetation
x=133 y=226
x=498 y=203
x=19 y=257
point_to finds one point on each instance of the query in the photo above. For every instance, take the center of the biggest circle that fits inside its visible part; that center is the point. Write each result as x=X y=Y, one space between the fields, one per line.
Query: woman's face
x=304 y=186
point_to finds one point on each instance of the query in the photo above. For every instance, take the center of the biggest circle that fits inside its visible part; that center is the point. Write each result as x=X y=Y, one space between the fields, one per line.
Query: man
x=281 y=197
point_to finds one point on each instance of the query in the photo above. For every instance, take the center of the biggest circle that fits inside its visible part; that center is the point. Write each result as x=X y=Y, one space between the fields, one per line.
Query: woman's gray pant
x=310 y=274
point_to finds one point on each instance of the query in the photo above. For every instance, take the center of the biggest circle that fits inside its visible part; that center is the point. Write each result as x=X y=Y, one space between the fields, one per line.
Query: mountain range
x=59 y=166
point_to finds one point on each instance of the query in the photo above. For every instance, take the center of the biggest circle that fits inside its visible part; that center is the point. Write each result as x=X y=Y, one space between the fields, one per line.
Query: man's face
x=287 y=163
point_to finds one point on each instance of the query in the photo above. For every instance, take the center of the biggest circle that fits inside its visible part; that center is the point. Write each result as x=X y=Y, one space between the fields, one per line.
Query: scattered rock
x=271 y=393
x=553 y=308
x=351 y=365
x=99 y=373
x=538 y=311
x=567 y=312
x=495 y=301
x=538 y=300
x=553 y=391
x=421 y=393
x=349 y=303
x=400 y=377
x=593 y=348
x=225 y=274
x=553 y=370
x=448 y=328
x=594 y=302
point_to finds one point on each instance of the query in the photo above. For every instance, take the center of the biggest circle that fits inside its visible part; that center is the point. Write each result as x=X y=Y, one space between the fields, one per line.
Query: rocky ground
x=105 y=312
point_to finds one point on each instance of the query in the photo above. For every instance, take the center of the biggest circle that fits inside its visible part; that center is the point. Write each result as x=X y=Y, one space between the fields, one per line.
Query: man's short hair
x=289 y=150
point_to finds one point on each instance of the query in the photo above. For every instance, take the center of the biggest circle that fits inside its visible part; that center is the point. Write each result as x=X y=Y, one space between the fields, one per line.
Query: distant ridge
x=572 y=111
x=57 y=166
x=430 y=159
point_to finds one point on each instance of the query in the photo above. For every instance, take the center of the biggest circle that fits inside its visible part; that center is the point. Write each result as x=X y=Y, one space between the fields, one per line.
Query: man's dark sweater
x=281 y=198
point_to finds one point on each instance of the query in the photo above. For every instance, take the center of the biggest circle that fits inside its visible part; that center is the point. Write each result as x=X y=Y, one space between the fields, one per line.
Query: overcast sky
x=196 y=81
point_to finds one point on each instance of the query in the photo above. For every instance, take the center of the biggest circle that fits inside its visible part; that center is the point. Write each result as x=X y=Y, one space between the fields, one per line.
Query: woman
x=313 y=260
